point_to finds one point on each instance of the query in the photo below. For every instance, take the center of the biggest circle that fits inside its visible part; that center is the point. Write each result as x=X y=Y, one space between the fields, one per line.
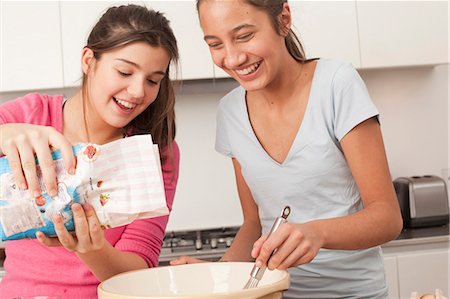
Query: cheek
x=217 y=57
x=151 y=97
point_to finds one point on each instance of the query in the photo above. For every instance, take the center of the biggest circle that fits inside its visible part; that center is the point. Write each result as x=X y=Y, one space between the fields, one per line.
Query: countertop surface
x=410 y=236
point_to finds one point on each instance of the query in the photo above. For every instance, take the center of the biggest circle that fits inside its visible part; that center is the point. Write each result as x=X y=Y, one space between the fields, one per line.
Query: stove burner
x=187 y=241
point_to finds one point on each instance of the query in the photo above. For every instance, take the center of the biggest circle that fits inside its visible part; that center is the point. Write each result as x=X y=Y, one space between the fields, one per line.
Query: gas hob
x=209 y=244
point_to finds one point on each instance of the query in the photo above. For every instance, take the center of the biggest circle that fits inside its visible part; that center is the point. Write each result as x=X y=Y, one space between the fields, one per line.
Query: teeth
x=248 y=70
x=126 y=104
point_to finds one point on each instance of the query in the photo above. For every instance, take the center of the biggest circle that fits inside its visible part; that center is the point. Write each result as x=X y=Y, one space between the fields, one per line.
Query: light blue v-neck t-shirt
x=314 y=180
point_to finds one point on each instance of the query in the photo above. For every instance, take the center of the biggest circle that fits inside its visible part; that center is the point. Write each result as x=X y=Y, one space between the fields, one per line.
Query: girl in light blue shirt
x=302 y=133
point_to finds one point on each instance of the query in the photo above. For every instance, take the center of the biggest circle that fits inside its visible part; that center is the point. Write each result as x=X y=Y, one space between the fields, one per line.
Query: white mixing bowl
x=203 y=280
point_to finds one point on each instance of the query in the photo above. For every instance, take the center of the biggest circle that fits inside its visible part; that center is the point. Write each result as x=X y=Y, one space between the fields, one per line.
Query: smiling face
x=123 y=82
x=243 y=41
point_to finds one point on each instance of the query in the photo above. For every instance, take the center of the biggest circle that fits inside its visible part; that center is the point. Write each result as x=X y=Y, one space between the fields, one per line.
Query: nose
x=136 y=88
x=234 y=57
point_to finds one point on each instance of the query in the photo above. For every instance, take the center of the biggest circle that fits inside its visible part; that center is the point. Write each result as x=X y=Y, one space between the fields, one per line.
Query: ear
x=286 y=19
x=87 y=58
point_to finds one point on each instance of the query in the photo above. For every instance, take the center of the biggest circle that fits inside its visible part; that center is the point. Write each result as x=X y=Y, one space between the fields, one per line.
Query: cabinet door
x=423 y=272
x=390 y=267
x=403 y=33
x=77 y=20
x=195 y=60
x=327 y=29
x=30 y=46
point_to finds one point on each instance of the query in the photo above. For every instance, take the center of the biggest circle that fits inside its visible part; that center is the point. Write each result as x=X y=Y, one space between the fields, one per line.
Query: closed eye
x=123 y=74
x=245 y=36
x=151 y=82
x=214 y=45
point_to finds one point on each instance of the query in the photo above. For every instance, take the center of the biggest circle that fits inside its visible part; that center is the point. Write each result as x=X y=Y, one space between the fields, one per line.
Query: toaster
x=423 y=201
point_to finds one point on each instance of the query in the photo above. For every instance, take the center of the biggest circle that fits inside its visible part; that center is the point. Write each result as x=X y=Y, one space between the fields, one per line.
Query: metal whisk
x=257 y=273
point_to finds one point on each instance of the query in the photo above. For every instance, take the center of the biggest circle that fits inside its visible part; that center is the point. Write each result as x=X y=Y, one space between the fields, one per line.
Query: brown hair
x=273 y=8
x=127 y=24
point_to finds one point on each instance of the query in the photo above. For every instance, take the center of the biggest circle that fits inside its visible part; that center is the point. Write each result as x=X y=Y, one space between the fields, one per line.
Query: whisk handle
x=258 y=272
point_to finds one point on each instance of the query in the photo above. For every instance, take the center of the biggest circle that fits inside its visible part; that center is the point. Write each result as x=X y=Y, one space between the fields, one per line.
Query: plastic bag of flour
x=122 y=180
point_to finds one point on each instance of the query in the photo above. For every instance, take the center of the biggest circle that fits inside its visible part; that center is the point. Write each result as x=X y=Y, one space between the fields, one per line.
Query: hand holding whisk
x=257 y=272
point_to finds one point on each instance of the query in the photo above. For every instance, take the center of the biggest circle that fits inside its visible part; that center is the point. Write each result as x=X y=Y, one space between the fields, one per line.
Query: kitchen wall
x=414 y=108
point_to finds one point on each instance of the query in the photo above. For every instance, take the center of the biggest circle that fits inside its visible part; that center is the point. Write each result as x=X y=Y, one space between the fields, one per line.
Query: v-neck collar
x=300 y=129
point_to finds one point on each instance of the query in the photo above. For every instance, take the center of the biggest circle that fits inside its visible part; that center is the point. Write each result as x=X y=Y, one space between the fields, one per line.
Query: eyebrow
x=235 y=29
x=138 y=66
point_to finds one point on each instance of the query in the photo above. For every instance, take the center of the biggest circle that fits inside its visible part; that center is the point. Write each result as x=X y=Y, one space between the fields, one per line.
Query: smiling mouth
x=124 y=105
x=249 y=70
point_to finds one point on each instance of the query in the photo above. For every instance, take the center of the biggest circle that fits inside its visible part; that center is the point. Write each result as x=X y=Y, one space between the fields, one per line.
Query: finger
x=283 y=252
x=64 y=236
x=301 y=255
x=16 y=166
x=257 y=246
x=178 y=261
x=184 y=260
x=290 y=259
x=60 y=142
x=81 y=226
x=274 y=241
x=43 y=239
x=29 y=168
x=95 y=230
x=48 y=168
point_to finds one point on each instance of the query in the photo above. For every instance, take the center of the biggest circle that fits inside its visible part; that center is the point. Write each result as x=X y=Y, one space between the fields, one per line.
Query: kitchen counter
x=416 y=236
x=426 y=235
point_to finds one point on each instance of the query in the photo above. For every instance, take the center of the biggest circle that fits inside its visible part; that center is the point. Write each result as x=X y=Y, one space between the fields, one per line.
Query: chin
x=252 y=85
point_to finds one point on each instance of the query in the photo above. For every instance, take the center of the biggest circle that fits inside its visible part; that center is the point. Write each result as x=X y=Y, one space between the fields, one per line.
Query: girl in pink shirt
x=126 y=90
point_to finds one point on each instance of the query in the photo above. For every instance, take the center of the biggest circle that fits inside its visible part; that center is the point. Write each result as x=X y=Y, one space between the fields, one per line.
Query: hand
x=19 y=142
x=185 y=259
x=296 y=244
x=89 y=235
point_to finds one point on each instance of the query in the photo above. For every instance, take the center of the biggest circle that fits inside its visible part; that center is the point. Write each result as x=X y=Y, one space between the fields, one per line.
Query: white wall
x=414 y=108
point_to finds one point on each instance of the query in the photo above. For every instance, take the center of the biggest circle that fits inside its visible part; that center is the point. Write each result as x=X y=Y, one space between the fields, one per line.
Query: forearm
x=376 y=224
x=109 y=261
x=243 y=243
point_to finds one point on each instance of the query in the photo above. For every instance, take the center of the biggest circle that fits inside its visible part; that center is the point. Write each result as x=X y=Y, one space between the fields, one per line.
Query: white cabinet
x=423 y=272
x=78 y=18
x=30 y=53
x=195 y=60
x=403 y=33
x=419 y=267
x=327 y=29
x=391 y=269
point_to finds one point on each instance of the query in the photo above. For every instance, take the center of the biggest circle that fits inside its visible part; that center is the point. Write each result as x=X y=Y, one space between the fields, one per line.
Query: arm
x=380 y=220
x=250 y=230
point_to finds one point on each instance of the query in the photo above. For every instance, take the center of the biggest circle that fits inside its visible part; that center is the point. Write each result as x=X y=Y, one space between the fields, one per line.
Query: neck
x=279 y=92
x=81 y=124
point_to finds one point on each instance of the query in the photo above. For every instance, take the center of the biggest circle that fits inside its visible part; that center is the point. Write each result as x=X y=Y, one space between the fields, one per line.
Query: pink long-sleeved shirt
x=33 y=269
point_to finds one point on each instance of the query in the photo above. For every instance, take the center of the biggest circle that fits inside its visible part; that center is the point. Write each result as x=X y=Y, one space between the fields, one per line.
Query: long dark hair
x=273 y=9
x=122 y=25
